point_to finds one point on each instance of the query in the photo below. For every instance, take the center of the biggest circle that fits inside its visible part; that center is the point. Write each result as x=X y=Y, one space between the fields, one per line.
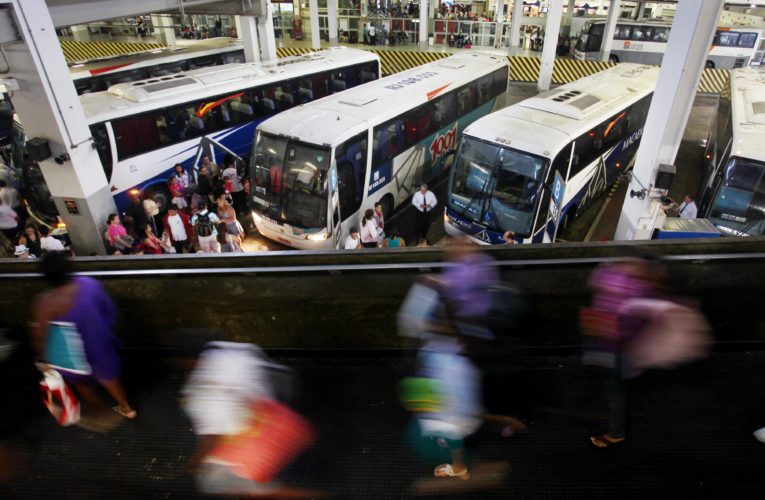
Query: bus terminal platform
x=690 y=435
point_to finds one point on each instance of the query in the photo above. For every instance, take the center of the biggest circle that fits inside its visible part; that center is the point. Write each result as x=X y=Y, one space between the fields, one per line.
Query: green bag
x=420 y=394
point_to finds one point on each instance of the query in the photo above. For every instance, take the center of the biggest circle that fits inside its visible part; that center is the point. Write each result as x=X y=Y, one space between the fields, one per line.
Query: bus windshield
x=290 y=181
x=590 y=37
x=497 y=186
x=740 y=201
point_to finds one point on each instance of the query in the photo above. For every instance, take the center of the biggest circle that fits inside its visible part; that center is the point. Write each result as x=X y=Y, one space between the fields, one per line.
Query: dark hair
x=3 y=184
x=222 y=232
x=56 y=268
x=44 y=230
x=202 y=204
x=394 y=233
x=109 y=219
x=173 y=206
x=32 y=227
x=368 y=214
x=229 y=159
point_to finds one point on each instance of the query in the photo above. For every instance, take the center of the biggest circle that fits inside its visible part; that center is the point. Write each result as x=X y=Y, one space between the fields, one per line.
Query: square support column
x=163 y=29
x=332 y=22
x=552 y=28
x=423 y=25
x=313 y=5
x=515 y=23
x=266 y=35
x=610 y=29
x=248 y=31
x=692 y=31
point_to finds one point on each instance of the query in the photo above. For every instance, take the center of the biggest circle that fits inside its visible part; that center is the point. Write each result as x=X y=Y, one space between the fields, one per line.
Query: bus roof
x=547 y=122
x=328 y=121
x=106 y=65
x=145 y=95
x=748 y=111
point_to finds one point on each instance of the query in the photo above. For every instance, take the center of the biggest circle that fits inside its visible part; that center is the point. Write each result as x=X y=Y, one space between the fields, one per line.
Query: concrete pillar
x=163 y=29
x=80 y=33
x=552 y=28
x=608 y=35
x=640 y=11
x=423 y=25
x=691 y=35
x=246 y=29
x=570 y=15
x=332 y=22
x=49 y=108
x=266 y=34
x=515 y=23
x=499 y=20
x=238 y=27
x=313 y=5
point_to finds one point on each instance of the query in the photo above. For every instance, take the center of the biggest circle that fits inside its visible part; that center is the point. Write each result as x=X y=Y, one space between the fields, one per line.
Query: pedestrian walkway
x=690 y=435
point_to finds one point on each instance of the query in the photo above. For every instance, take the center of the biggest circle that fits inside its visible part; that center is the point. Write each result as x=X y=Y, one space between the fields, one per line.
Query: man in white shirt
x=204 y=223
x=353 y=242
x=424 y=201
x=178 y=226
x=48 y=243
x=687 y=209
x=237 y=189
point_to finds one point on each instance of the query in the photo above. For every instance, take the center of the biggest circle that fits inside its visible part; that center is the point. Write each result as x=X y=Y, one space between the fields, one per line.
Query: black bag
x=204 y=225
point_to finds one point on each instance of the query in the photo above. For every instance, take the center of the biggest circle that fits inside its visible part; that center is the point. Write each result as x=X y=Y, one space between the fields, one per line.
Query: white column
x=640 y=11
x=552 y=28
x=424 y=25
x=515 y=23
x=498 y=19
x=313 y=5
x=246 y=29
x=608 y=35
x=163 y=29
x=570 y=14
x=332 y=22
x=266 y=34
x=238 y=27
x=80 y=33
x=50 y=109
x=691 y=35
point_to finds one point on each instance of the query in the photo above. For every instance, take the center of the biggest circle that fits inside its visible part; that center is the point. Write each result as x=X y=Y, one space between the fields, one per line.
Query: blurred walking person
x=78 y=307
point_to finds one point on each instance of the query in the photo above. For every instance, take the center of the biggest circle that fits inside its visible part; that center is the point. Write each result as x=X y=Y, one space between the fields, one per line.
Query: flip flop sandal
x=446 y=470
x=604 y=441
x=130 y=415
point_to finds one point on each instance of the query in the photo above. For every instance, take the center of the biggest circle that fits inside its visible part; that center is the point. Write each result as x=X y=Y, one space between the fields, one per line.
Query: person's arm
x=402 y=243
x=385 y=243
x=414 y=201
x=151 y=241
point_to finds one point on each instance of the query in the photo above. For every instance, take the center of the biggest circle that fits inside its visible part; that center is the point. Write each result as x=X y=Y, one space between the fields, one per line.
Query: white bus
x=733 y=194
x=646 y=42
x=317 y=168
x=530 y=167
x=142 y=129
x=100 y=74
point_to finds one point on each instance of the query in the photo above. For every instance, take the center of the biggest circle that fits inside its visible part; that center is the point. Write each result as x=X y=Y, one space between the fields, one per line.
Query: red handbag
x=275 y=437
x=59 y=398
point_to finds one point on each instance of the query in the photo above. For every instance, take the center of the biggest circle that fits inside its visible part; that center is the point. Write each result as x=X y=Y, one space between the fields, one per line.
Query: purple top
x=94 y=314
x=467 y=284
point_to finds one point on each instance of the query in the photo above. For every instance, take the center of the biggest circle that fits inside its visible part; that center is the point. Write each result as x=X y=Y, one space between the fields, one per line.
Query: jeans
x=617 y=402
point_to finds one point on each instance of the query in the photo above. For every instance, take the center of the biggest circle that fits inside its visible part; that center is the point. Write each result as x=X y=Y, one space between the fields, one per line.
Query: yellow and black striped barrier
x=713 y=80
x=291 y=51
x=86 y=51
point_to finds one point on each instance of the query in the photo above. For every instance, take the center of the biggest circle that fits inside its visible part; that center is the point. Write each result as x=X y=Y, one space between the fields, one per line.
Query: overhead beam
x=73 y=12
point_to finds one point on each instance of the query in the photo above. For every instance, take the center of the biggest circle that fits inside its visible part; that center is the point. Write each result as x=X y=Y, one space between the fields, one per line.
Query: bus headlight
x=257 y=218
x=318 y=236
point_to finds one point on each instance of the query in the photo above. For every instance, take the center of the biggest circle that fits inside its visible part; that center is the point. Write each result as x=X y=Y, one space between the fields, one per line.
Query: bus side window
x=319 y=85
x=465 y=100
x=444 y=110
x=499 y=81
x=622 y=32
x=747 y=40
x=418 y=124
x=351 y=157
x=136 y=134
x=484 y=90
x=368 y=72
x=104 y=149
x=726 y=39
x=637 y=114
x=615 y=128
x=660 y=34
x=585 y=152
x=388 y=140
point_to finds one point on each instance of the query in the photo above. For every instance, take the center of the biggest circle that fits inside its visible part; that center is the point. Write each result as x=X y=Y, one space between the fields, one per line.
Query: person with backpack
x=204 y=223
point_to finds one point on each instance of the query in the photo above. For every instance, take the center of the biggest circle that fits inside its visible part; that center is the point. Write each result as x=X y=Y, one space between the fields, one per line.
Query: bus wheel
x=613 y=59
x=161 y=197
x=709 y=65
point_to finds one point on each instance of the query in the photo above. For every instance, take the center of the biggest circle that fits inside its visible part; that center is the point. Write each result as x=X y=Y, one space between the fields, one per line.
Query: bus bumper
x=290 y=236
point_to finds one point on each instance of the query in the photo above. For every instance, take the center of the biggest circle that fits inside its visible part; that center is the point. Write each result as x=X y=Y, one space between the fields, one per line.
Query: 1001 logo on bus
x=443 y=143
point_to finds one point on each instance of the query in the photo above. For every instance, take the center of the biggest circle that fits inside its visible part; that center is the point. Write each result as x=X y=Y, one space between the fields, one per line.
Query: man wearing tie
x=424 y=201
x=687 y=209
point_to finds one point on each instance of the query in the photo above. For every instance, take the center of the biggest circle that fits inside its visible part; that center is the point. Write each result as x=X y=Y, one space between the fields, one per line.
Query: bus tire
x=161 y=196
x=709 y=65
x=613 y=59
x=387 y=205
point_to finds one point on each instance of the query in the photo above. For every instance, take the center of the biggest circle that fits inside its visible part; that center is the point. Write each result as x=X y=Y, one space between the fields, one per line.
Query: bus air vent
x=585 y=102
x=358 y=101
x=451 y=64
x=172 y=84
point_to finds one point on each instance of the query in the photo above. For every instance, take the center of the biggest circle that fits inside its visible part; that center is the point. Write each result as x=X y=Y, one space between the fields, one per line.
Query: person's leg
x=178 y=245
x=617 y=407
x=115 y=390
